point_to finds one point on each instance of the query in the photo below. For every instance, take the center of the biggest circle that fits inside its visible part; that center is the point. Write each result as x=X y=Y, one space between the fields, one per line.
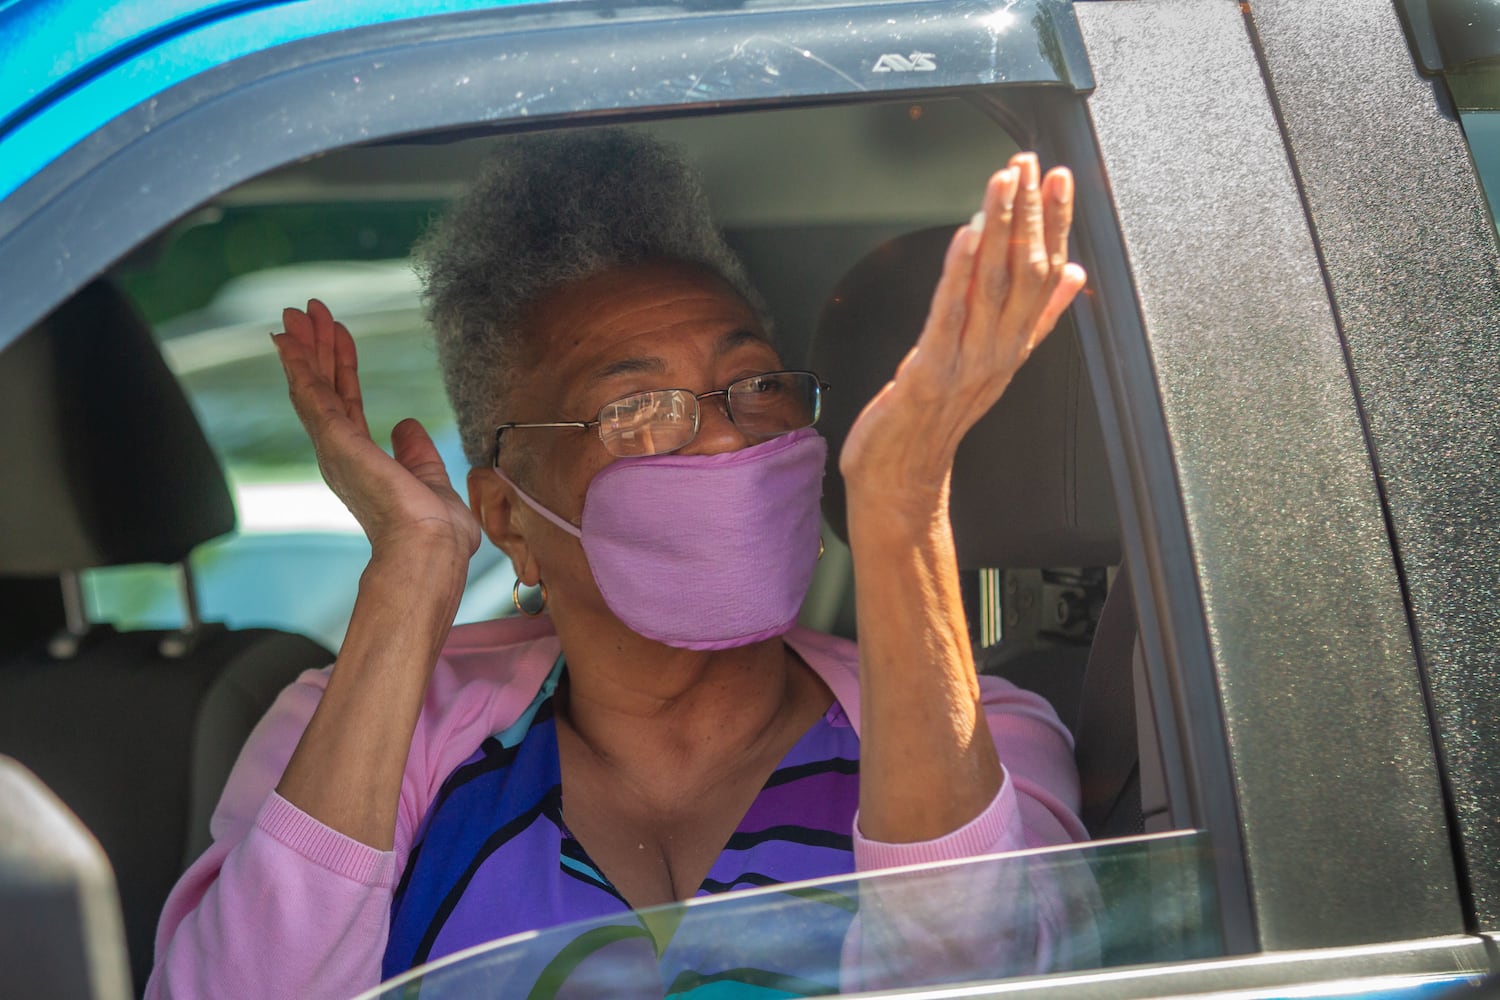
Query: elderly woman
x=643 y=457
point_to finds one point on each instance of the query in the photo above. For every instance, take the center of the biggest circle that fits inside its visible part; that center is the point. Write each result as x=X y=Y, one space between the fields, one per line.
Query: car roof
x=97 y=62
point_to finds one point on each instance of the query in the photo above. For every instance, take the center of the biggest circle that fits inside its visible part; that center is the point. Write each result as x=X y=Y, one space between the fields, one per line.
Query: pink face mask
x=705 y=551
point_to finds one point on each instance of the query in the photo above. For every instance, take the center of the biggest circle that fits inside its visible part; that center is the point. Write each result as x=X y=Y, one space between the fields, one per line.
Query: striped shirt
x=494 y=858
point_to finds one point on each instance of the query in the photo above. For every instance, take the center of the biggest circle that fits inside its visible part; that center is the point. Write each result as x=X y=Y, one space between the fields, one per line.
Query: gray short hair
x=548 y=210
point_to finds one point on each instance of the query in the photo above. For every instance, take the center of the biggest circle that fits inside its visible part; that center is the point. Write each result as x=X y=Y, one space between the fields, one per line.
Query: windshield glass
x=1029 y=913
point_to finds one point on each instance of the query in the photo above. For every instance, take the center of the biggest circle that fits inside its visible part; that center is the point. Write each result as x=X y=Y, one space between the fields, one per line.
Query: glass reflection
x=1123 y=902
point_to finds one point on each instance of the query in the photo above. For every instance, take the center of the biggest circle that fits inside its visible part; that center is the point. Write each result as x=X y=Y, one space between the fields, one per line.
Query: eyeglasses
x=660 y=421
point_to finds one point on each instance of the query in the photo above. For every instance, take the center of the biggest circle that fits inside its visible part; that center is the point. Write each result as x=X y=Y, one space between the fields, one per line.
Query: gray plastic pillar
x=61 y=933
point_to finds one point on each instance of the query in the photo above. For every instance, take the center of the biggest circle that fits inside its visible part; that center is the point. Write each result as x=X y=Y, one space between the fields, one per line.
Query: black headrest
x=1030 y=483
x=104 y=462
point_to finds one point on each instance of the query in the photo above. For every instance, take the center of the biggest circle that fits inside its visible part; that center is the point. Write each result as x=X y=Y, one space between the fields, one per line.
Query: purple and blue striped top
x=495 y=858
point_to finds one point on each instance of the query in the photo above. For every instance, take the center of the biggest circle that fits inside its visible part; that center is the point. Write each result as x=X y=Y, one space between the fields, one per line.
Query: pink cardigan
x=282 y=906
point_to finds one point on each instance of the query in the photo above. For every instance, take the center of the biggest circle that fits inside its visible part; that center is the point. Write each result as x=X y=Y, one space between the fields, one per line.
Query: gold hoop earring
x=515 y=595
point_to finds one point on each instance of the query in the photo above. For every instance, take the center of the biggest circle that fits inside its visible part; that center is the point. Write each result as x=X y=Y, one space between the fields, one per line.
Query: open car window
x=340 y=227
x=215 y=285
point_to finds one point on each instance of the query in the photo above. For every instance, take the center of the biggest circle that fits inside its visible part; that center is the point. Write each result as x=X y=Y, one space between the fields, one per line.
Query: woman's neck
x=690 y=716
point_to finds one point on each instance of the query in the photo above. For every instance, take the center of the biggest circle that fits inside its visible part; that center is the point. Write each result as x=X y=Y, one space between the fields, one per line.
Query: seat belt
x=1105 y=748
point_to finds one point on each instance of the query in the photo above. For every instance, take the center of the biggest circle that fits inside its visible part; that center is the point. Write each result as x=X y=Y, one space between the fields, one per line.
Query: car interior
x=841 y=214
x=135 y=730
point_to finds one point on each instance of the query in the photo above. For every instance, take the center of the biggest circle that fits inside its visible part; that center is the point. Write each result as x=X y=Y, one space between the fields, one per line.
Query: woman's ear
x=494 y=504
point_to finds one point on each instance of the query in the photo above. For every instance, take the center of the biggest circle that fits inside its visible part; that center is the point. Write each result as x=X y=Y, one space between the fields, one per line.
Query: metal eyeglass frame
x=697 y=396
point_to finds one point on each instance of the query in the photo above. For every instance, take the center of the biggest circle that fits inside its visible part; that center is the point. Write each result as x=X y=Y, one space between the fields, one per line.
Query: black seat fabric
x=113 y=469
x=113 y=732
x=1106 y=745
x=253 y=674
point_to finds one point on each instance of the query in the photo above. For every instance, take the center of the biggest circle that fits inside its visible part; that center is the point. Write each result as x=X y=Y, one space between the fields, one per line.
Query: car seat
x=134 y=731
x=60 y=933
x=1030 y=490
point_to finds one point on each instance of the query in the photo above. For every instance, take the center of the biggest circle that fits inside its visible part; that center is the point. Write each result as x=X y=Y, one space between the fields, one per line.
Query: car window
x=1024 y=914
x=858 y=133
x=340 y=227
x=213 y=291
x=214 y=286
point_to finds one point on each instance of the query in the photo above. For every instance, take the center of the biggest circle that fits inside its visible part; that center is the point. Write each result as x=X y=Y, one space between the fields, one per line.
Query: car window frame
x=1193 y=151
x=1432 y=427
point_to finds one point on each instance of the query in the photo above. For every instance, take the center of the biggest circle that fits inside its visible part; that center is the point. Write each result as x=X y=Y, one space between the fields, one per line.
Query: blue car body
x=74 y=67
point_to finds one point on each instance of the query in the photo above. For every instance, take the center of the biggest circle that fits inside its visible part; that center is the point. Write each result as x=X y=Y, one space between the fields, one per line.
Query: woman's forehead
x=641 y=318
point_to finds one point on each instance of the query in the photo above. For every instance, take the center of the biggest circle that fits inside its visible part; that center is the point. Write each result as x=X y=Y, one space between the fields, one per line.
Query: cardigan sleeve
x=985 y=919
x=280 y=905
x=1037 y=803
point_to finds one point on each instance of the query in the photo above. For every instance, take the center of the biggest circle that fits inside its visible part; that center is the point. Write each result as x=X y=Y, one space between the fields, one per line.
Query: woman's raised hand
x=347 y=769
x=1002 y=289
x=928 y=763
x=405 y=500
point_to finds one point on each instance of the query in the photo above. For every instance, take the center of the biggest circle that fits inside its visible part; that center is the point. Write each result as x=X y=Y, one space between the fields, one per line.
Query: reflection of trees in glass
x=1109 y=904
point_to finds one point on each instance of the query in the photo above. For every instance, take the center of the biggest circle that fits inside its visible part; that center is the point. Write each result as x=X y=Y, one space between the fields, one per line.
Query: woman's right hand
x=401 y=502
x=348 y=767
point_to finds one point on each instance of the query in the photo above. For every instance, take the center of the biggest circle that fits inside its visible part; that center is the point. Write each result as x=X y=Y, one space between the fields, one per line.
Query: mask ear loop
x=515 y=595
x=536 y=505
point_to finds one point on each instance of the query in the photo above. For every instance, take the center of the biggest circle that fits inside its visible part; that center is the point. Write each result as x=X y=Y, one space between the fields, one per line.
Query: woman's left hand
x=1002 y=290
x=928 y=763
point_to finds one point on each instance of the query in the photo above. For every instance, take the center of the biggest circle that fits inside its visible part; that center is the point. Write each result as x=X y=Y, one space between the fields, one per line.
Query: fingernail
x=1064 y=184
x=966 y=239
x=1008 y=191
